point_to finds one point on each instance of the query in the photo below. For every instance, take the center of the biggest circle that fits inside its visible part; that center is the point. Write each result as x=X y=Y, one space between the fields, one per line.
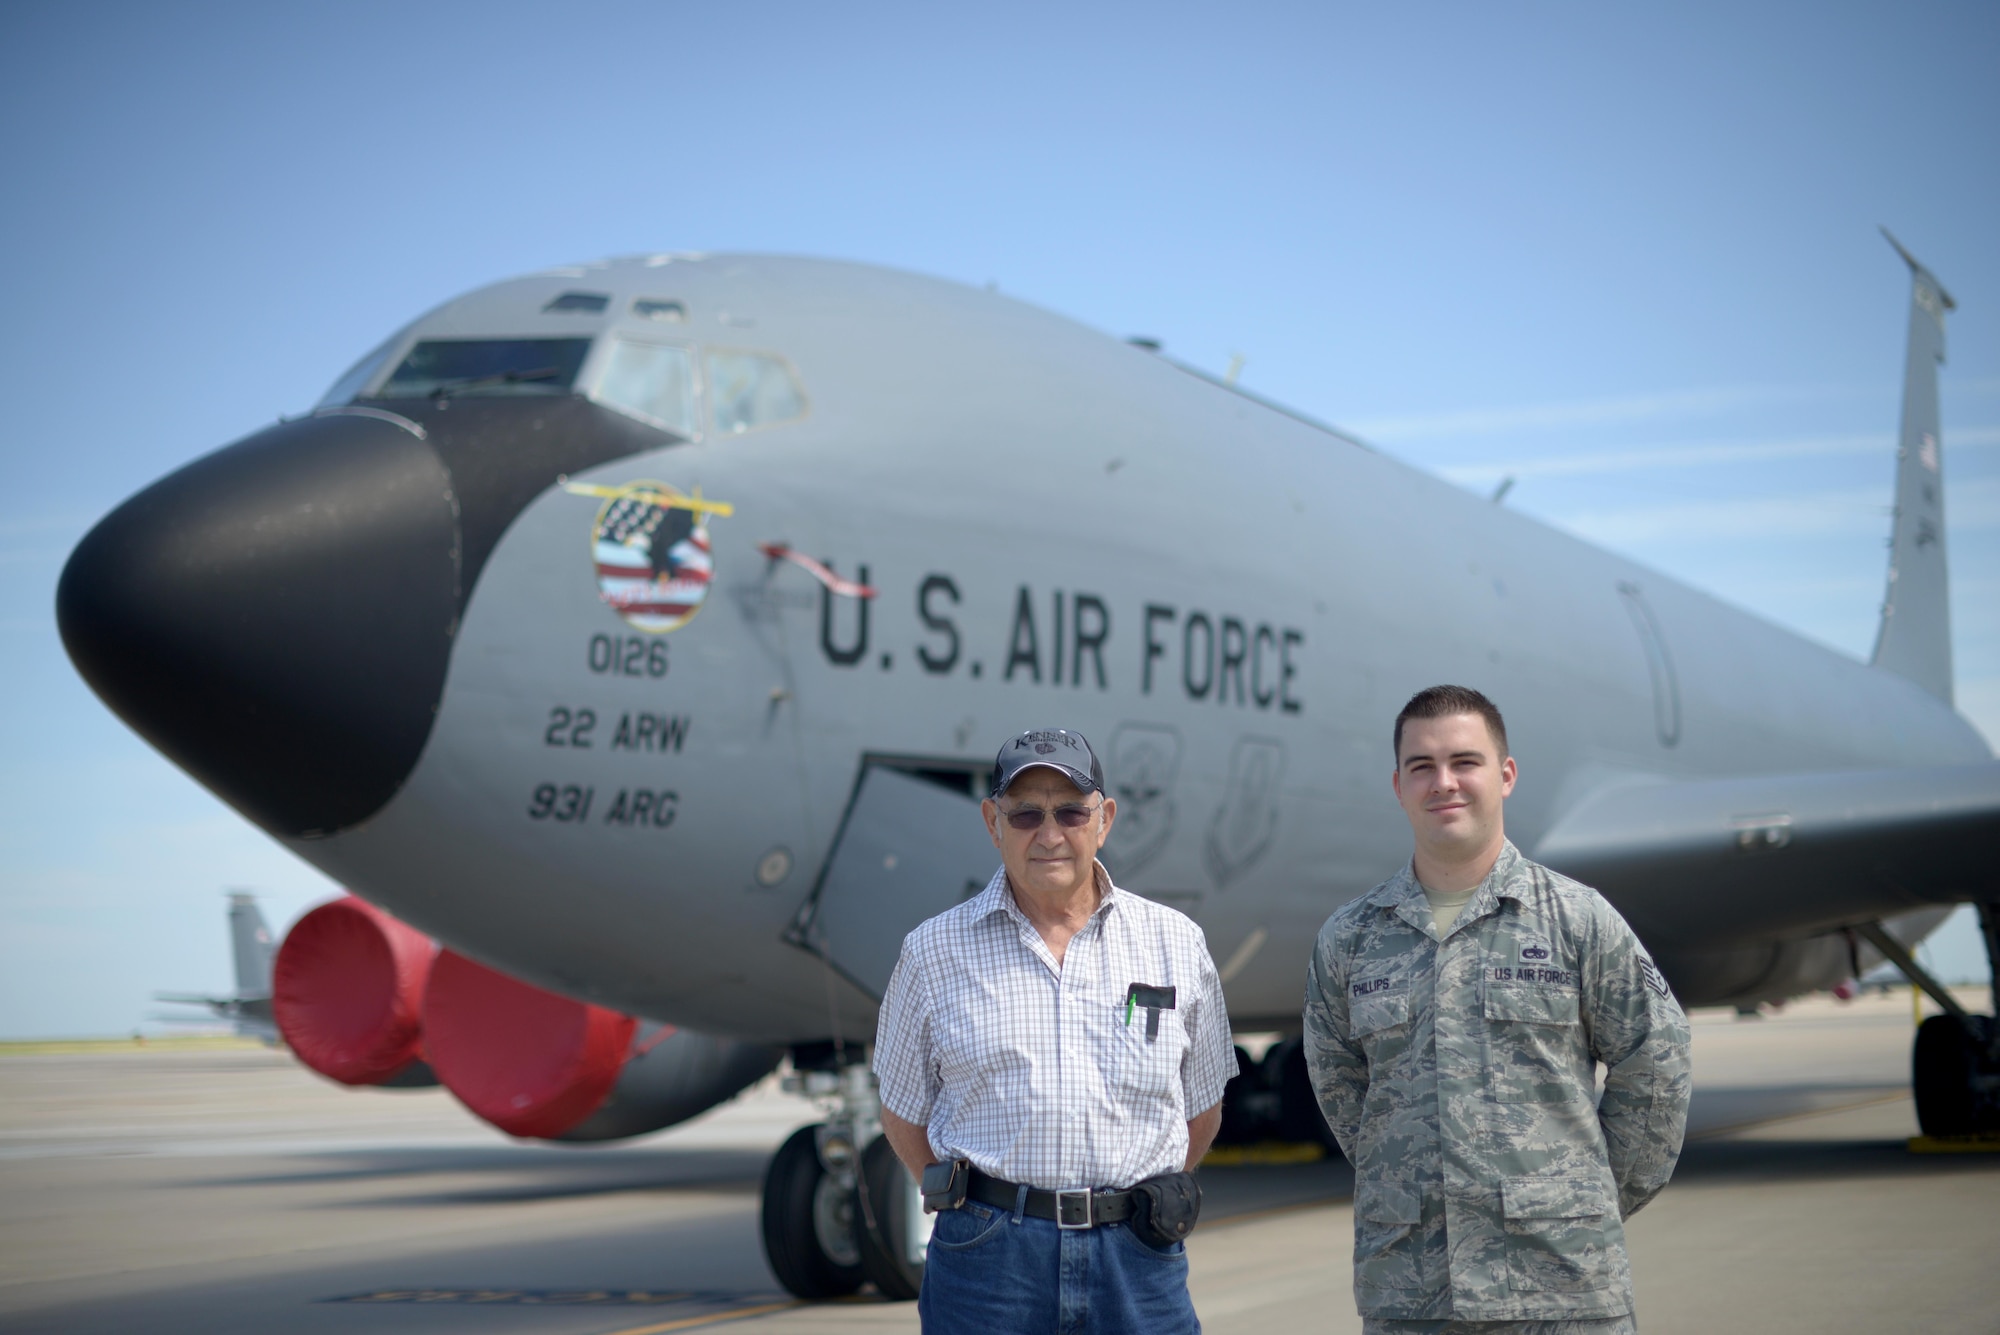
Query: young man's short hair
x=1445 y=701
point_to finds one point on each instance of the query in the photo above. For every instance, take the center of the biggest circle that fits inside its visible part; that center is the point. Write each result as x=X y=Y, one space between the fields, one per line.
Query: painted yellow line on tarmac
x=712 y=1318
x=1988 y=1144
x=1265 y=1152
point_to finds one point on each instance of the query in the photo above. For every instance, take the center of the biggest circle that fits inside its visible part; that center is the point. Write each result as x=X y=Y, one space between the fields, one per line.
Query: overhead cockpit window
x=580 y=303
x=652 y=381
x=487 y=367
x=659 y=308
x=747 y=390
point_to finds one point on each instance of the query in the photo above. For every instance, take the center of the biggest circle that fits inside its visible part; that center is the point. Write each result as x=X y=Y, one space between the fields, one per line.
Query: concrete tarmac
x=229 y=1191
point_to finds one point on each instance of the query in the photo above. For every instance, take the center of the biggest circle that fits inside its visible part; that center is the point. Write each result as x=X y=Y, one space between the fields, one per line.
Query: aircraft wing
x=1710 y=860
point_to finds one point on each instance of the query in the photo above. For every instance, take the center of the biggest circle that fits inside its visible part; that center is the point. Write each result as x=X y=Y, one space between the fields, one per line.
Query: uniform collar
x=1403 y=895
x=998 y=897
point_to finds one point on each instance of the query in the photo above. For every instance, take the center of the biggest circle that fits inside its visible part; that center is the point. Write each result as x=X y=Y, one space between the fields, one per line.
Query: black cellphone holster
x=1166 y=1208
x=945 y=1184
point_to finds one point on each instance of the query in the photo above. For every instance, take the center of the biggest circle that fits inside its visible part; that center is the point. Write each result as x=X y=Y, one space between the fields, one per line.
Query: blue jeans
x=991 y=1273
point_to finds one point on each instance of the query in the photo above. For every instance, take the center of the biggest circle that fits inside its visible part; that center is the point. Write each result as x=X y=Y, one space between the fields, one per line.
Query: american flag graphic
x=653 y=559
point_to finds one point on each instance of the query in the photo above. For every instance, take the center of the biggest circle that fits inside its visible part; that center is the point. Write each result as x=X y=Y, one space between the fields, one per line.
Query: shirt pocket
x=1150 y=1067
x=1534 y=1036
x=1563 y=1234
x=1388 y=1242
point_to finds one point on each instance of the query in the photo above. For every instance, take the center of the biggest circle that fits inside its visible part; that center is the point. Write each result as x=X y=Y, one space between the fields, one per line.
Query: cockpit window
x=659 y=308
x=652 y=381
x=579 y=303
x=363 y=371
x=487 y=367
x=747 y=390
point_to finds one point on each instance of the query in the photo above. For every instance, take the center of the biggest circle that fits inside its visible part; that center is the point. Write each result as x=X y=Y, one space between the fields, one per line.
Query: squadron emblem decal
x=650 y=545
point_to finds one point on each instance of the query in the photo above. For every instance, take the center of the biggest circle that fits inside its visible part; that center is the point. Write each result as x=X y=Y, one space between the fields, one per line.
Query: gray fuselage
x=1061 y=530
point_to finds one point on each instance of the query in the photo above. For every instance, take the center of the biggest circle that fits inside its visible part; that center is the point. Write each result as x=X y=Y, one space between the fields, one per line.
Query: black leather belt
x=1083 y=1208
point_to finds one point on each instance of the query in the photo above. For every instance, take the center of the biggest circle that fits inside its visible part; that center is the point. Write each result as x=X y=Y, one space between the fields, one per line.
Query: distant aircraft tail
x=255 y=951
x=1915 y=637
x=253 y=945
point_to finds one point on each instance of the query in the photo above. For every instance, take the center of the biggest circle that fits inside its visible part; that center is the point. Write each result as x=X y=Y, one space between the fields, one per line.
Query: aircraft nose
x=277 y=617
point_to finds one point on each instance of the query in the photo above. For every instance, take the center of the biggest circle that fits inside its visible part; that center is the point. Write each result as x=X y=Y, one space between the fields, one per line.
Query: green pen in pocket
x=1154 y=999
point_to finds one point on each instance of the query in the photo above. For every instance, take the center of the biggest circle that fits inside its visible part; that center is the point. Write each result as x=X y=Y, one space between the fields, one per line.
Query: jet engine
x=540 y=1065
x=347 y=992
x=365 y=999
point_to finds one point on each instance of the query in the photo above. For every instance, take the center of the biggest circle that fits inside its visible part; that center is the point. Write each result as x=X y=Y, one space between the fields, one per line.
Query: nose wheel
x=808 y=1220
x=893 y=1229
x=835 y=1215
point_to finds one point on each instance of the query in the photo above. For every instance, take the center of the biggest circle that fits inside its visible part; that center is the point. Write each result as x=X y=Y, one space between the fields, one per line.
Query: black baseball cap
x=1059 y=749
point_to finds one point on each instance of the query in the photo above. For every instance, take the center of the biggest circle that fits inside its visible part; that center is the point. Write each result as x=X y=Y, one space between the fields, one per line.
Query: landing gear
x=892 y=1226
x=837 y=1215
x=809 y=1221
x=1249 y=1109
x=1273 y=1100
x=1299 y=1117
x=1955 y=1068
x=1956 y=1076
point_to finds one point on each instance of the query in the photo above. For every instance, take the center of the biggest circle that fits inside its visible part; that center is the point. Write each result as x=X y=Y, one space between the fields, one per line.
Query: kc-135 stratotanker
x=633 y=640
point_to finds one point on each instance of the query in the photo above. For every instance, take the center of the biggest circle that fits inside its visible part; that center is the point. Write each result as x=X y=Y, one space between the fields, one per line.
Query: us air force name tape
x=1058 y=749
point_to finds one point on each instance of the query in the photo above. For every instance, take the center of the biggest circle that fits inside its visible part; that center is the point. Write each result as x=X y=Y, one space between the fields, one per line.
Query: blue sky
x=1627 y=256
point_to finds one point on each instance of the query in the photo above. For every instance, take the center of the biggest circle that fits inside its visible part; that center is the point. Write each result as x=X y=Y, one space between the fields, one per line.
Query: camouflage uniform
x=1457 y=1075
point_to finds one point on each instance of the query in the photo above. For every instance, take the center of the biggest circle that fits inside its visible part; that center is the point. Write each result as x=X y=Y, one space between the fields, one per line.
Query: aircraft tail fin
x=1914 y=640
x=256 y=952
x=252 y=944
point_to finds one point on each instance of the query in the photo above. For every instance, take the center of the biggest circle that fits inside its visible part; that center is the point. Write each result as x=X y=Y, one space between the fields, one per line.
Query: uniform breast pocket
x=1382 y=1010
x=1380 y=1022
x=1534 y=1042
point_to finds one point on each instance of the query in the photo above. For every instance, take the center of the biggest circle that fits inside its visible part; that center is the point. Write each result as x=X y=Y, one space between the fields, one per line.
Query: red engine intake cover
x=347 y=991
x=528 y=1061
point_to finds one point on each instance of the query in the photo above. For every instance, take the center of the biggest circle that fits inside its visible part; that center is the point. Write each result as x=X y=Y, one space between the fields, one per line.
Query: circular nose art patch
x=650 y=545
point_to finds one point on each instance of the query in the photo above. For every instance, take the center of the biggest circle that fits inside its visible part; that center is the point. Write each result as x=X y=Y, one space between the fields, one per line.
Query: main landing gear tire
x=1299 y=1117
x=1956 y=1078
x=809 y=1226
x=885 y=1206
x=1273 y=1100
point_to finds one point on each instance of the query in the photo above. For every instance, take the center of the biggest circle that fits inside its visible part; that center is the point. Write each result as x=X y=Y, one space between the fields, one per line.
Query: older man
x=1051 y=1055
x=1455 y=1017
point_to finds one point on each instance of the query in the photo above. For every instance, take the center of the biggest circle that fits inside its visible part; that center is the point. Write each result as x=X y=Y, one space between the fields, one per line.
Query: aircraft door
x=1659 y=665
x=909 y=849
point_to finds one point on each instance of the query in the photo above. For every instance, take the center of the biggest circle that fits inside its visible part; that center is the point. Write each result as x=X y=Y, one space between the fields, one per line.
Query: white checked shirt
x=1031 y=1069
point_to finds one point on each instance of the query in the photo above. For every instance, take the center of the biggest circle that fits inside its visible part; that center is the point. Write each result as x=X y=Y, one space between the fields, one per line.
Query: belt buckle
x=1073 y=1208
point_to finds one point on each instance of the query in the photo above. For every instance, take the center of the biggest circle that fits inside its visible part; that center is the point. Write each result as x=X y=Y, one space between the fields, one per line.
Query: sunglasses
x=1072 y=817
